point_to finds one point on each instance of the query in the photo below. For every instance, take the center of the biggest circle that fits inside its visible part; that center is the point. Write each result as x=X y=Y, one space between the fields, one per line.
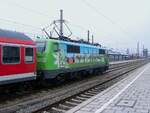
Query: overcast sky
x=119 y=24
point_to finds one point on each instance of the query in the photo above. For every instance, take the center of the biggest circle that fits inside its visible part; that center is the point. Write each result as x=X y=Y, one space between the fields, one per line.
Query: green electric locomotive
x=57 y=57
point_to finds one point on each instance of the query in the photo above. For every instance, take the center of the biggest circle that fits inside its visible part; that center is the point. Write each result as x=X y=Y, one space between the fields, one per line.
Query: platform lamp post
x=138 y=50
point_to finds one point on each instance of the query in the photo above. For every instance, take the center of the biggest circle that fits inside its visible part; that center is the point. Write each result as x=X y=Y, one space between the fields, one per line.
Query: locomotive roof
x=70 y=42
x=74 y=42
x=13 y=34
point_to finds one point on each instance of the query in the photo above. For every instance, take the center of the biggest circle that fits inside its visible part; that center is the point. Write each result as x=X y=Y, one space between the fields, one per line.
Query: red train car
x=17 y=57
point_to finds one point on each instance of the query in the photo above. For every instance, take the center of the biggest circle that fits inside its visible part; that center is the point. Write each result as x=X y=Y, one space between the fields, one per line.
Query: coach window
x=28 y=55
x=11 y=55
x=101 y=51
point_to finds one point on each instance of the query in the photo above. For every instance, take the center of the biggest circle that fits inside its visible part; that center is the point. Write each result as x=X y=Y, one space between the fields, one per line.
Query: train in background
x=21 y=59
x=117 y=56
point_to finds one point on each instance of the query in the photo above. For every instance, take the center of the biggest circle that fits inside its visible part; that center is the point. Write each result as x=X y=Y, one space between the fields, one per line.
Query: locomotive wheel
x=74 y=75
x=95 y=72
x=59 y=79
x=77 y=75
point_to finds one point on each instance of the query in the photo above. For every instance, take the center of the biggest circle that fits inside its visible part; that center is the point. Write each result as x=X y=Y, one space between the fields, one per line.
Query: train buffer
x=130 y=95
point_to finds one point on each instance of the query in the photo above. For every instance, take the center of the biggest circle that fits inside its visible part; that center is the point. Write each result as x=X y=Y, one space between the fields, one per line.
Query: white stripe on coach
x=16 y=76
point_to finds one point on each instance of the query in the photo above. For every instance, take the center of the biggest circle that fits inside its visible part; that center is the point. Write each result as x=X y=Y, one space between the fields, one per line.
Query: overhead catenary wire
x=9 y=2
x=27 y=9
x=14 y=22
x=99 y=12
x=37 y=30
x=35 y=11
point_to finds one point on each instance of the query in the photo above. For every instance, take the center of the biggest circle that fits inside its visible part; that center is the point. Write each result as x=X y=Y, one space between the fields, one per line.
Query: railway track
x=63 y=98
x=68 y=103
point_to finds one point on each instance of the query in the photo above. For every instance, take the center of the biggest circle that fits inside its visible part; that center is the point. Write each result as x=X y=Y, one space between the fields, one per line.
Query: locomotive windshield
x=40 y=46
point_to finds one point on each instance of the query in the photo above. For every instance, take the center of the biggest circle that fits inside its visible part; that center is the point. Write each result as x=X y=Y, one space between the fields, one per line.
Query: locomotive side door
x=62 y=55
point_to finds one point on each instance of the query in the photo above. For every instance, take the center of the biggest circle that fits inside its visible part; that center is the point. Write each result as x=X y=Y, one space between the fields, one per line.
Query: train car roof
x=71 y=43
x=79 y=44
x=14 y=37
x=13 y=34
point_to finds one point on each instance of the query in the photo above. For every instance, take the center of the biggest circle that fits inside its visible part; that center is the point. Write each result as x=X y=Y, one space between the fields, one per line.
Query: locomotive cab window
x=28 y=55
x=40 y=46
x=56 y=47
x=11 y=55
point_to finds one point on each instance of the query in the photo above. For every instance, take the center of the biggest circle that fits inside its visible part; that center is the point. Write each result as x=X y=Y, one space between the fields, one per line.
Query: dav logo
x=70 y=60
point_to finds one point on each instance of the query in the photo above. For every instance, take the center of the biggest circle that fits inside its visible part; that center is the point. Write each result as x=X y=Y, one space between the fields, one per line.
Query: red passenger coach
x=17 y=57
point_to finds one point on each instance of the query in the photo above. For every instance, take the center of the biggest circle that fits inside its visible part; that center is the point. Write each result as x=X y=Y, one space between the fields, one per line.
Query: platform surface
x=130 y=95
x=123 y=61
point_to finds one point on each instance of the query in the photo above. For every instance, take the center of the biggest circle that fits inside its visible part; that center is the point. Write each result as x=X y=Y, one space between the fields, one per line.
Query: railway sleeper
x=58 y=110
x=61 y=107
x=96 y=88
x=72 y=103
x=45 y=112
x=89 y=94
x=81 y=98
x=68 y=104
x=65 y=106
x=93 y=92
x=76 y=100
x=85 y=96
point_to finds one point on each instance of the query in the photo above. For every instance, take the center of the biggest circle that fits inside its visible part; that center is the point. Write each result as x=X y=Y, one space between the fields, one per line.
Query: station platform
x=123 y=61
x=130 y=95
